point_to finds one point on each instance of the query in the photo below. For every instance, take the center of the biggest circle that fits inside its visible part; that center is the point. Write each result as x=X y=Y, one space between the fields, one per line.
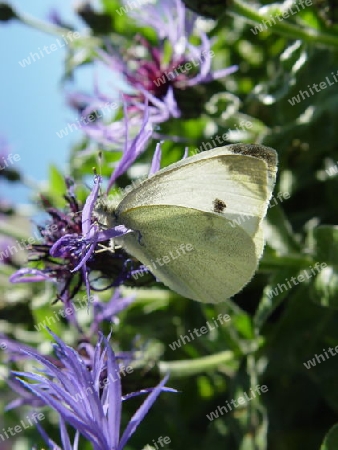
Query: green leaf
x=57 y=186
x=331 y=439
x=324 y=243
x=325 y=288
x=278 y=231
x=243 y=325
x=272 y=298
x=46 y=315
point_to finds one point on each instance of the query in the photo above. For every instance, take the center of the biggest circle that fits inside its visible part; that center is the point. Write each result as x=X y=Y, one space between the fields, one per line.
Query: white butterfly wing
x=235 y=185
x=222 y=260
x=214 y=201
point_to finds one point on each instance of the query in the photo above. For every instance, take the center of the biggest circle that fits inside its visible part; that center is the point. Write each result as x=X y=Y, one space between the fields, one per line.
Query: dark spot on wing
x=219 y=205
x=268 y=154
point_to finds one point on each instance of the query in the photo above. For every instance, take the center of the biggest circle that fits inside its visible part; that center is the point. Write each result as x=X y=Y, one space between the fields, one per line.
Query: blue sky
x=33 y=104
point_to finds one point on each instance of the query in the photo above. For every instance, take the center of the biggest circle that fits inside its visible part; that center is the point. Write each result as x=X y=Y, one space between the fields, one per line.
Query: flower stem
x=49 y=28
x=40 y=25
x=308 y=35
x=288 y=261
x=190 y=367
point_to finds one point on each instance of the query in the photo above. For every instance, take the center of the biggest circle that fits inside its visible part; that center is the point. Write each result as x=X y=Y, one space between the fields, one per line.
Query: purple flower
x=84 y=400
x=132 y=149
x=17 y=353
x=54 y=17
x=158 y=80
x=82 y=246
x=154 y=77
x=25 y=398
x=108 y=311
x=72 y=245
x=132 y=134
x=97 y=112
x=69 y=250
x=61 y=223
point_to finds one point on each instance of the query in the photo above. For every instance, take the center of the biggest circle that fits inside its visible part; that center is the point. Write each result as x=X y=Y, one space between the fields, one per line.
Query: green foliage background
x=268 y=339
